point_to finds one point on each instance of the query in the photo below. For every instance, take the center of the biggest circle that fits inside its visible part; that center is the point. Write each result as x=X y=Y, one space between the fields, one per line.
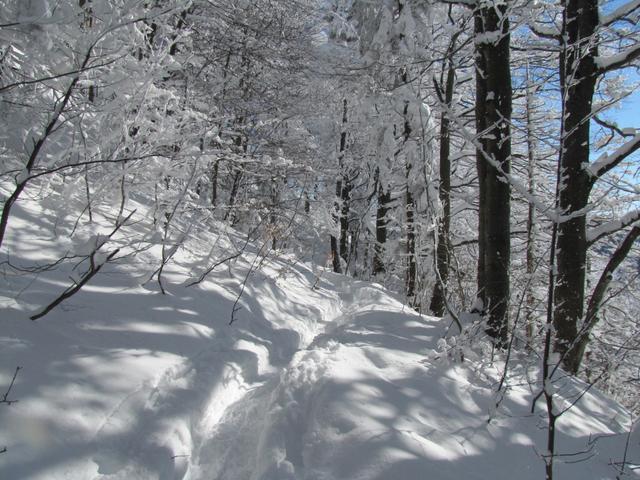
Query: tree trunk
x=214 y=183
x=438 y=301
x=531 y=219
x=342 y=192
x=493 y=114
x=384 y=199
x=578 y=75
x=598 y=295
x=232 y=196
x=411 y=249
x=345 y=199
x=409 y=209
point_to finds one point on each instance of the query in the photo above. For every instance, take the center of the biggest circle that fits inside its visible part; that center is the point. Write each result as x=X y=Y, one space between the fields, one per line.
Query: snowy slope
x=319 y=377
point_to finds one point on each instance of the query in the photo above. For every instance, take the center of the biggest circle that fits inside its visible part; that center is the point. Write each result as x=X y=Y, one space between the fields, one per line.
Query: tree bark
x=438 y=301
x=493 y=114
x=578 y=75
x=409 y=210
x=531 y=219
x=342 y=194
x=384 y=199
x=345 y=199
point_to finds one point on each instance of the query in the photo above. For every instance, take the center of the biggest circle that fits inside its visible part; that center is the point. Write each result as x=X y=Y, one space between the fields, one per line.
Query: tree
x=580 y=68
x=493 y=116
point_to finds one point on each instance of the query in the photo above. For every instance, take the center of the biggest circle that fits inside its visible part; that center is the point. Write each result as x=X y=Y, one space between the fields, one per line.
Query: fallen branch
x=94 y=267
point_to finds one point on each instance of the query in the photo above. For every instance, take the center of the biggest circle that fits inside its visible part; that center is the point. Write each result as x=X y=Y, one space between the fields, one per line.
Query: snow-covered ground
x=319 y=377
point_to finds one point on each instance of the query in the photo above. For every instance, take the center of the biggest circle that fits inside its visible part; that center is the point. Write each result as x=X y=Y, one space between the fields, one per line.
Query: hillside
x=318 y=377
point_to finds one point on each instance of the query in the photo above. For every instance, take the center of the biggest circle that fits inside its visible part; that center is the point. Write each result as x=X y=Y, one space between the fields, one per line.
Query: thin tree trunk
x=232 y=196
x=34 y=155
x=531 y=219
x=342 y=194
x=214 y=183
x=345 y=199
x=597 y=297
x=438 y=301
x=411 y=248
x=409 y=210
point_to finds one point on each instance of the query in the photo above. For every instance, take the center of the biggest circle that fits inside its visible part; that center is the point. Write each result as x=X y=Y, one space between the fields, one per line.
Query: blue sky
x=628 y=114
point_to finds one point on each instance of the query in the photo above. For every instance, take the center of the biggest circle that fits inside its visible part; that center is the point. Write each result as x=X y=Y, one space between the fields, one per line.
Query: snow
x=340 y=381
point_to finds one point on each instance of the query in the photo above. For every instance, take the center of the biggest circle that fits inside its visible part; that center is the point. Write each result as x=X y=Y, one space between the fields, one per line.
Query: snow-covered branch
x=620 y=13
x=609 y=161
x=619 y=60
x=609 y=228
x=542 y=31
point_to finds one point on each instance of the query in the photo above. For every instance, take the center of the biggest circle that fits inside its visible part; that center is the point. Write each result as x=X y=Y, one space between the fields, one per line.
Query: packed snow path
x=319 y=378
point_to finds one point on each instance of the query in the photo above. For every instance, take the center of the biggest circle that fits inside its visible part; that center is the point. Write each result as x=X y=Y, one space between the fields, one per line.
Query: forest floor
x=318 y=377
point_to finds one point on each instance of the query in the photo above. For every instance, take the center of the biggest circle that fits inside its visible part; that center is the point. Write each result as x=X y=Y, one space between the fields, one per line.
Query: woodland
x=463 y=154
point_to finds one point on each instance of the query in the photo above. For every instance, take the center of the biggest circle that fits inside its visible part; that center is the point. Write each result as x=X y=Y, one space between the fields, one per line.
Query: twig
x=5 y=397
x=236 y=307
x=626 y=450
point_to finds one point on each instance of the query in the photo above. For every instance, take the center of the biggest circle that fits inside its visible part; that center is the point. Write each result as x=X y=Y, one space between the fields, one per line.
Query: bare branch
x=94 y=267
x=5 y=397
x=598 y=296
x=611 y=126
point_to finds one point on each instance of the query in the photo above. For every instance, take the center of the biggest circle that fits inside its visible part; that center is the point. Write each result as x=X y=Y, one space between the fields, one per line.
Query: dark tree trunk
x=438 y=301
x=232 y=196
x=578 y=75
x=214 y=183
x=493 y=114
x=411 y=248
x=345 y=200
x=409 y=210
x=342 y=195
x=335 y=256
x=384 y=199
